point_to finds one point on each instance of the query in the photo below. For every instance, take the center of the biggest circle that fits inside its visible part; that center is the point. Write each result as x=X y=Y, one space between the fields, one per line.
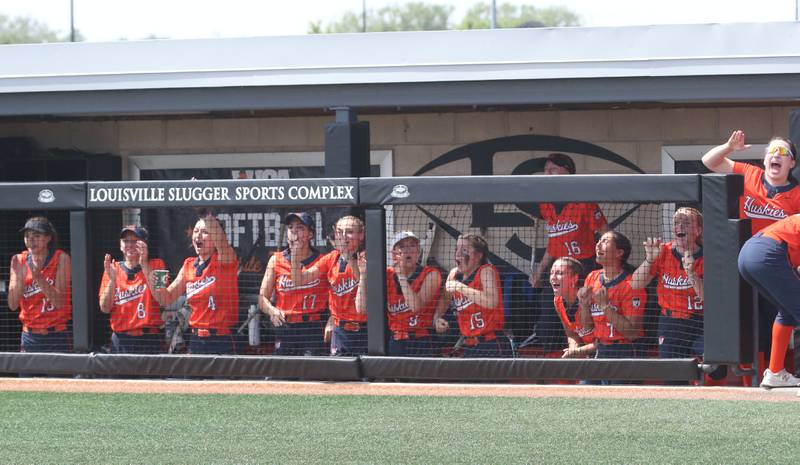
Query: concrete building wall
x=417 y=139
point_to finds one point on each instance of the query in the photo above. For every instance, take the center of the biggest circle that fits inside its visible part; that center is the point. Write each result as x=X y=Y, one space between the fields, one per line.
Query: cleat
x=778 y=380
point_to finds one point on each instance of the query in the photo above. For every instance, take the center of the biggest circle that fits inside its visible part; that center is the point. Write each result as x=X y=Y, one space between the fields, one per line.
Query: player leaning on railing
x=770 y=194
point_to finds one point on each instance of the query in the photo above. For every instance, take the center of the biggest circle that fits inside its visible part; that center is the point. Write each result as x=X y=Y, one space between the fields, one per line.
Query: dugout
x=655 y=97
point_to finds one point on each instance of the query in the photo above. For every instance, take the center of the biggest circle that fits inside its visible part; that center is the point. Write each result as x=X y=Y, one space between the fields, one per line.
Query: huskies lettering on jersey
x=347 y=286
x=676 y=282
x=560 y=228
x=399 y=307
x=583 y=332
x=461 y=303
x=285 y=284
x=34 y=289
x=134 y=293
x=597 y=311
x=753 y=209
x=197 y=286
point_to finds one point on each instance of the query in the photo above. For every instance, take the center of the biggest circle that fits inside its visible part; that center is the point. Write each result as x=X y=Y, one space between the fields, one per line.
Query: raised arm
x=696 y=279
x=629 y=324
x=717 y=159
x=16 y=281
x=584 y=308
x=108 y=284
x=276 y=315
x=417 y=300
x=439 y=323
x=642 y=276
x=486 y=297
x=360 y=275
x=225 y=253
x=169 y=294
x=57 y=292
x=302 y=276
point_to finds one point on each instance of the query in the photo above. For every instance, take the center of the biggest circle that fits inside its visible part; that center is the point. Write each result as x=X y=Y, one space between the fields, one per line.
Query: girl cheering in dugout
x=347 y=326
x=412 y=292
x=678 y=268
x=297 y=311
x=564 y=277
x=126 y=293
x=39 y=286
x=211 y=285
x=770 y=194
x=608 y=304
x=473 y=289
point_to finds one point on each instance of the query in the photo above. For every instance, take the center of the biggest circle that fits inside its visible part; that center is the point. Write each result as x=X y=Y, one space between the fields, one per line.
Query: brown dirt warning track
x=392 y=389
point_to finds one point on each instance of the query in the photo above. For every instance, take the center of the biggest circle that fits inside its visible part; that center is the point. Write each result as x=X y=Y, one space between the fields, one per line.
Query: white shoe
x=780 y=379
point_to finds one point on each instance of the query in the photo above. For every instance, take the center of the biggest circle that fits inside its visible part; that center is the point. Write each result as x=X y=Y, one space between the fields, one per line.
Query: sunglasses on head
x=780 y=151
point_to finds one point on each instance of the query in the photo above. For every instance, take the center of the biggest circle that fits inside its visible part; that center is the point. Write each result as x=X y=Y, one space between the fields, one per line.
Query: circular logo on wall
x=46 y=196
x=400 y=191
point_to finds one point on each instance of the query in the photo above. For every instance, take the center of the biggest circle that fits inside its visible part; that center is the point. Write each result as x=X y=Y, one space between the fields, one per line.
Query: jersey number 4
x=212 y=304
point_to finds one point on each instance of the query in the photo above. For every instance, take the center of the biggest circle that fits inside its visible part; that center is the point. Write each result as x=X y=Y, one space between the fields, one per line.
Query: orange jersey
x=213 y=296
x=676 y=295
x=762 y=203
x=570 y=231
x=35 y=310
x=134 y=306
x=629 y=302
x=788 y=231
x=401 y=318
x=343 y=287
x=585 y=336
x=474 y=320
x=311 y=297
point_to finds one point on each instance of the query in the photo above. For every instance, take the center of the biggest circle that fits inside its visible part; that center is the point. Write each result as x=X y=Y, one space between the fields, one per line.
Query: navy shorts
x=349 y=343
x=498 y=347
x=764 y=263
x=302 y=338
x=214 y=344
x=412 y=347
x=680 y=337
x=51 y=342
x=144 y=344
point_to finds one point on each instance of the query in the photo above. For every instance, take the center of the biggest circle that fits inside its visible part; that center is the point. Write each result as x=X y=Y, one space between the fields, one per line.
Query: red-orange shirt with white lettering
x=294 y=299
x=570 y=231
x=133 y=306
x=764 y=207
x=473 y=319
x=212 y=292
x=35 y=310
x=629 y=302
x=400 y=316
x=343 y=287
x=676 y=295
x=585 y=336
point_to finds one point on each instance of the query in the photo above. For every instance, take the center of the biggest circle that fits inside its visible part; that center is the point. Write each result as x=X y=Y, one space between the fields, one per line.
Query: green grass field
x=162 y=428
